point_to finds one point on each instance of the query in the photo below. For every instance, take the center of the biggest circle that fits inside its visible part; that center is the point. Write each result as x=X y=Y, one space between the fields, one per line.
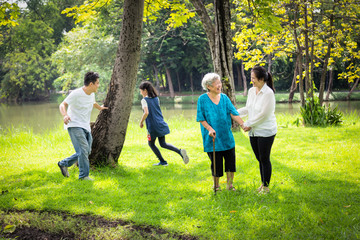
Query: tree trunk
x=299 y=54
x=312 y=47
x=169 y=81
x=352 y=89
x=162 y=82
x=244 y=79
x=156 y=74
x=331 y=79
x=238 y=70
x=192 y=88
x=178 y=80
x=326 y=62
x=109 y=130
x=220 y=39
x=294 y=81
x=308 y=86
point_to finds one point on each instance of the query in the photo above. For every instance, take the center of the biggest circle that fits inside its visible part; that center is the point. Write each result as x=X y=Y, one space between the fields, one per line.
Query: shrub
x=314 y=114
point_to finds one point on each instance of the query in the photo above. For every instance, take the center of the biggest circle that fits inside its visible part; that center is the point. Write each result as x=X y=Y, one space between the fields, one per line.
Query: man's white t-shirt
x=79 y=109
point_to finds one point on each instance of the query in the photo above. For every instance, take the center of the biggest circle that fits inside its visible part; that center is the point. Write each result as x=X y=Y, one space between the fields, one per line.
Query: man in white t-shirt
x=76 y=110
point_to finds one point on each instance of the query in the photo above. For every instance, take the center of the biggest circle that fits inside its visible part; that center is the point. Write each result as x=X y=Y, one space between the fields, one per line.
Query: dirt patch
x=30 y=232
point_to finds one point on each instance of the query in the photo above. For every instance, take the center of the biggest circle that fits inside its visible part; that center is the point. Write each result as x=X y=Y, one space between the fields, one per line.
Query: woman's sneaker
x=184 y=156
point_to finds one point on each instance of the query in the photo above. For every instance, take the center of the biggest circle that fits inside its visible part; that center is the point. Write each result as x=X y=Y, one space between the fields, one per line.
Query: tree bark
x=220 y=39
x=109 y=130
x=294 y=81
x=352 y=89
x=238 y=70
x=244 y=79
x=178 y=80
x=299 y=54
x=156 y=74
x=326 y=62
x=169 y=82
x=192 y=88
x=331 y=79
x=308 y=85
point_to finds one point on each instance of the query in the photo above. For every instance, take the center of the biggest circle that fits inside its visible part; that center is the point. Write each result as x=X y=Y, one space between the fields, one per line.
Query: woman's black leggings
x=262 y=148
x=163 y=144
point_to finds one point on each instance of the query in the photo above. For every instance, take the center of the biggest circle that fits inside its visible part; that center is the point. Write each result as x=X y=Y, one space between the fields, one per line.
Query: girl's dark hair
x=90 y=77
x=261 y=73
x=146 y=85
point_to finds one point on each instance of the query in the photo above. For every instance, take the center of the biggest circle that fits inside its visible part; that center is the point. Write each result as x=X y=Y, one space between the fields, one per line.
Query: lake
x=45 y=115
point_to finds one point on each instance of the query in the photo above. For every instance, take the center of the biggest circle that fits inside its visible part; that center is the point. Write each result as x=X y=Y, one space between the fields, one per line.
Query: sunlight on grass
x=315 y=188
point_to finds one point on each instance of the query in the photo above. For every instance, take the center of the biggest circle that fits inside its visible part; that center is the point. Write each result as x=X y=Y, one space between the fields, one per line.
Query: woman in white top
x=261 y=123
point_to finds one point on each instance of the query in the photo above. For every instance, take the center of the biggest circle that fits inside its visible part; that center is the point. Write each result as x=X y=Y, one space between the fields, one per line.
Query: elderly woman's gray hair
x=208 y=80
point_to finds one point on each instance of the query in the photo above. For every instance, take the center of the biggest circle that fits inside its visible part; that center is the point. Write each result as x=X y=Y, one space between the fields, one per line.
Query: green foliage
x=28 y=70
x=314 y=114
x=84 y=49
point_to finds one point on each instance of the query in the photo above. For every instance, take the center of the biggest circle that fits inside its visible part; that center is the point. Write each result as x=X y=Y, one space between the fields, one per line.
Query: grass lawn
x=315 y=187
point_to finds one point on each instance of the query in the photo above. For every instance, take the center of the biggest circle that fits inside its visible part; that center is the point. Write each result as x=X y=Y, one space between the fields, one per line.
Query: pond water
x=46 y=115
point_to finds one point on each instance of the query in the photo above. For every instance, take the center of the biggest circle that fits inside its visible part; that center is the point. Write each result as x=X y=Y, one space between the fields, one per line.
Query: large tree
x=220 y=41
x=110 y=127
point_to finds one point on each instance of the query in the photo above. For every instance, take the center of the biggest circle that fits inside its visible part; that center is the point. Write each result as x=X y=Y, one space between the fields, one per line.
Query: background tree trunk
x=192 y=88
x=331 y=79
x=294 y=81
x=156 y=75
x=109 y=130
x=352 y=89
x=244 y=79
x=240 y=83
x=308 y=80
x=299 y=54
x=326 y=62
x=178 y=80
x=169 y=82
x=220 y=39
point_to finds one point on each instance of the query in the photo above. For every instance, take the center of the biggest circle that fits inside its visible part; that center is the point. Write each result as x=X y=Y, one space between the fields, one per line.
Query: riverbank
x=281 y=97
x=315 y=186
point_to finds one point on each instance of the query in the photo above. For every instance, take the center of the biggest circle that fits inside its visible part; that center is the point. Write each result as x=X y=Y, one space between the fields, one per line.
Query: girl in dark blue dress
x=155 y=124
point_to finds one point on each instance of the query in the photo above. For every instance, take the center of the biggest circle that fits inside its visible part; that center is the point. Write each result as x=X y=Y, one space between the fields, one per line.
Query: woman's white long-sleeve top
x=260 y=109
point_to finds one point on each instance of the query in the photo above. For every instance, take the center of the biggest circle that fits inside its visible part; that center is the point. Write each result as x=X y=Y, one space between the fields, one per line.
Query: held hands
x=246 y=129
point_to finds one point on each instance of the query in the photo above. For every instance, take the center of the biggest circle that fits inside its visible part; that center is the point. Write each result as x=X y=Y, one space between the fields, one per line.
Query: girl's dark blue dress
x=155 y=123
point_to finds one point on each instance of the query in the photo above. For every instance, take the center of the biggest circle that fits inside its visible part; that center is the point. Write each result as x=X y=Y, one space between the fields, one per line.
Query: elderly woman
x=261 y=123
x=214 y=112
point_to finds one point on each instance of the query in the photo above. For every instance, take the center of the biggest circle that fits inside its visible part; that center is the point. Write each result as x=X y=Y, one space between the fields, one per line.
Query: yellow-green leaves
x=9 y=12
x=87 y=11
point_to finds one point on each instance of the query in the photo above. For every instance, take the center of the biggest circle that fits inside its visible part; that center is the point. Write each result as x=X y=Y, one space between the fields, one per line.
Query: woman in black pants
x=261 y=123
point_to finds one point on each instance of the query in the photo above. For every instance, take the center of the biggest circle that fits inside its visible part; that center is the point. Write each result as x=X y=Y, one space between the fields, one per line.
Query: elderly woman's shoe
x=260 y=188
x=264 y=190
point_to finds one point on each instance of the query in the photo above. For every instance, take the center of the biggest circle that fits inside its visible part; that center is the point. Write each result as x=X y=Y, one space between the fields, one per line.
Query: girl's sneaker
x=184 y=156
x=160 y=164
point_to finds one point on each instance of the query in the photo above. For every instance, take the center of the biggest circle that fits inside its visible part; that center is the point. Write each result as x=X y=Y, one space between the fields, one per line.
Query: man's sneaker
x=87 y=179
x=184 y=156
x=160 y=164
x=64 y=170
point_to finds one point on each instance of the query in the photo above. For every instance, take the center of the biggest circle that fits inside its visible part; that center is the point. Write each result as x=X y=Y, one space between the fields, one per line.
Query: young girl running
x=155 y=124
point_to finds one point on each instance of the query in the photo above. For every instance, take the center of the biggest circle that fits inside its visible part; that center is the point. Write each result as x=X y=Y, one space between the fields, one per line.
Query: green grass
x=315 y=187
